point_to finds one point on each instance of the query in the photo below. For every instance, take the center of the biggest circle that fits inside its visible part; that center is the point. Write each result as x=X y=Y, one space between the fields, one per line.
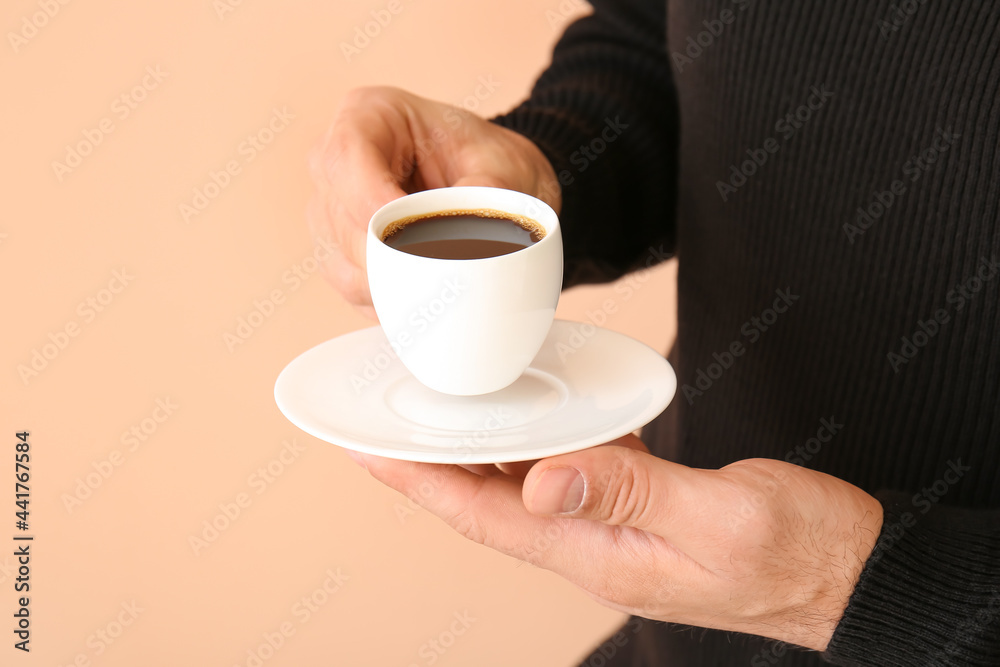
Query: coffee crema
x=463 y=234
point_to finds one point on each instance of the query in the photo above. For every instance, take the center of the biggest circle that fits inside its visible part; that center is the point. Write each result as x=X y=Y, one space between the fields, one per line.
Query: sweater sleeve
x=605 y=114
x=929 y=593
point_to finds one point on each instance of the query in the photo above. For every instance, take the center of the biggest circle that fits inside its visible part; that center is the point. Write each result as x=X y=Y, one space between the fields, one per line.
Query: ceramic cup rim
x=546 y=217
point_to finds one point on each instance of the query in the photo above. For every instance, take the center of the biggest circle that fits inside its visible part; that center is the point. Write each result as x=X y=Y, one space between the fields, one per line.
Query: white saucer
x=587 y=386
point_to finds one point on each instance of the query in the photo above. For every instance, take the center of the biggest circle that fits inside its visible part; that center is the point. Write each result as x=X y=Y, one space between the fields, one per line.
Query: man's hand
x=384 y=143
x=761 y=546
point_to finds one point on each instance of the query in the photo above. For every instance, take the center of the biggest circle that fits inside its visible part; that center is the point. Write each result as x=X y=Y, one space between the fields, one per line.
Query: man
x=828 y=175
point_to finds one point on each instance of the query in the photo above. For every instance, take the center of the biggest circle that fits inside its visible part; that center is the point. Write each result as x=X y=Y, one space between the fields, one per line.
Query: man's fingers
x=349 y=280
x=362 y=182
x=485 y=509
x=520 y=469
x=489 y=510
x=622 y=485
x=629 y=441
x=483 y=180
x=516 y=468
x=481 y=469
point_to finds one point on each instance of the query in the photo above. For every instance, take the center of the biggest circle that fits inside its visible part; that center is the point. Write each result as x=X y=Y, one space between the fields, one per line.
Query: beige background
x=114 y=515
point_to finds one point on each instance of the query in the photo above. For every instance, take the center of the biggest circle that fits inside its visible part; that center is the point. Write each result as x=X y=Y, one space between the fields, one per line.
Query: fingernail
x=560 y=490
x=356 y=458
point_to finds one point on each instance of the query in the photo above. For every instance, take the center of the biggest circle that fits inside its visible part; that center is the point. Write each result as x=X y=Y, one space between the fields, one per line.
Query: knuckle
x=325 y=157
x=357 y=97
x=355 y=291
x=365 y=97
x=625 y=493
x=464 y=518
x=757 y=496
x=465 y=523
x=362 y=94
x=759 y=475
x=330 y=222
x=326 y=168
x=349 y=281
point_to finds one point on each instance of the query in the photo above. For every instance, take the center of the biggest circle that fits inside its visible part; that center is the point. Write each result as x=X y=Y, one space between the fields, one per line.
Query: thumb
x=617 y=485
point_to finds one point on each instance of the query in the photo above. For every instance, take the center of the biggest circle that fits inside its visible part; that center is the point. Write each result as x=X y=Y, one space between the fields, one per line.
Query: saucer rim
x=393 y=450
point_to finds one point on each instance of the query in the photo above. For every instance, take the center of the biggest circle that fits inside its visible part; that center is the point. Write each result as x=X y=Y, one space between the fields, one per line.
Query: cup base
x=528 y=399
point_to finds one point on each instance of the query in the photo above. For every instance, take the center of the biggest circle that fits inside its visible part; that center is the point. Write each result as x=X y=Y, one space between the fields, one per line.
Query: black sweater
x=841 y=158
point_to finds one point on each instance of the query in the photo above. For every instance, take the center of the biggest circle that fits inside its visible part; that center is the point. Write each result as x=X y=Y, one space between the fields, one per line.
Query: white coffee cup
x=466 y=326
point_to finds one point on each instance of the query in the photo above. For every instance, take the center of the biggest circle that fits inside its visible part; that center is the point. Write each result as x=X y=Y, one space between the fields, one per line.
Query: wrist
x=811 y=624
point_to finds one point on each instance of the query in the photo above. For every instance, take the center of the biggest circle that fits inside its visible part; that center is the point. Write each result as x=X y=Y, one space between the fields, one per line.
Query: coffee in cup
x=463 y=234
x=465 y=282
